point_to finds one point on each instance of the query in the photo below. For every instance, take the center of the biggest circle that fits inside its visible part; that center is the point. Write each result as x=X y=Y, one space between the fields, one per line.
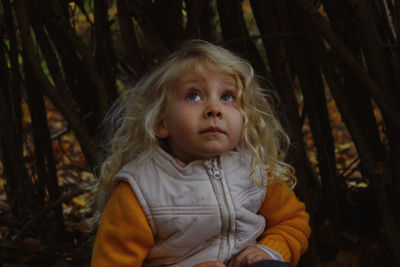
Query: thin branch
x=348 y=167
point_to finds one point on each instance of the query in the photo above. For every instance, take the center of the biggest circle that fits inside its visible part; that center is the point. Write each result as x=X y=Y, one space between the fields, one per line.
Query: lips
x=212 y=130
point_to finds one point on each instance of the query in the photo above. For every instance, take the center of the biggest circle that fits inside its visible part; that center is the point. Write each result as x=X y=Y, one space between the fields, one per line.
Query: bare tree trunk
x=15 y=172
x=131 y=55
x=394 y=10
x=154 y=42
x=209 y=21
x=236 y=35
x=195 y=13
x=168 y=19
x=104 y=53
x=45 y=166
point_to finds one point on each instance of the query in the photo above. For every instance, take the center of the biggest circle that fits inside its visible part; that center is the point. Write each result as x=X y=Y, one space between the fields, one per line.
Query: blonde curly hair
x=133 y=117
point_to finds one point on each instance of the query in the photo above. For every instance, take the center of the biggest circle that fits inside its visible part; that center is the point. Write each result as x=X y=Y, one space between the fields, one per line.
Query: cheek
x=243 y=119
x=181 y=123
x=237 y=125
x=239 y=130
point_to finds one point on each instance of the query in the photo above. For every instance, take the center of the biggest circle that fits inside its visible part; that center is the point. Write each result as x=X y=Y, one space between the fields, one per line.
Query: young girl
x=194 y=175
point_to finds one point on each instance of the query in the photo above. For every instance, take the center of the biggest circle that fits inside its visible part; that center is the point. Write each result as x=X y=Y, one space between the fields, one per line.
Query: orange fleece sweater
x=124 y=236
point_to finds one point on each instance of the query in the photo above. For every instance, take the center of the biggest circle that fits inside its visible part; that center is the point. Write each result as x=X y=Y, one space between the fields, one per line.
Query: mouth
x=212 y=130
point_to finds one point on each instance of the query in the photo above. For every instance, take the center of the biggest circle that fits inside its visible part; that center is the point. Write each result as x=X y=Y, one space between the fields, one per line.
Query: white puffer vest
x=202 y=212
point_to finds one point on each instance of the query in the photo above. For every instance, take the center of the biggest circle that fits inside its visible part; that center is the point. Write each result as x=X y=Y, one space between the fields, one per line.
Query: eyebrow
x=199 y=78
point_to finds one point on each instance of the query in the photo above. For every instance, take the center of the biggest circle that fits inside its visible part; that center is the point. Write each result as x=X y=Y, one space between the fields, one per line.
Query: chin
x=213 y=153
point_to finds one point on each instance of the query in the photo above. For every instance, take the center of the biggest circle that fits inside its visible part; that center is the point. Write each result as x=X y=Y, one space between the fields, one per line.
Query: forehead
x=202 y=72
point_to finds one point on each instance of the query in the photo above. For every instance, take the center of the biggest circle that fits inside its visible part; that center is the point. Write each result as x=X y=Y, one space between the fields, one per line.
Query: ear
x=161 y=129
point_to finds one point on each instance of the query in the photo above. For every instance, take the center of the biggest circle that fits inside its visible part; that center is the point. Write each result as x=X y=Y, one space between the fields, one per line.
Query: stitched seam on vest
x=184 y=212
x=243 y=197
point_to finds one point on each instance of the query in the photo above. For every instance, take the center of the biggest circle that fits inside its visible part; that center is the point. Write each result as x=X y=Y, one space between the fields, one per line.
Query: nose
x=213 y=110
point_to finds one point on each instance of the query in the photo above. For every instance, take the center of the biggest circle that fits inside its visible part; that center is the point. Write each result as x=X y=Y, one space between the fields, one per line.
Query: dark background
x=334 y=65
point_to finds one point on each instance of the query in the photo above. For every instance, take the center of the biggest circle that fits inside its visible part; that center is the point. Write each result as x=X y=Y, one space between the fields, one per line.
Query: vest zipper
x=215 y=169
x=224 y=210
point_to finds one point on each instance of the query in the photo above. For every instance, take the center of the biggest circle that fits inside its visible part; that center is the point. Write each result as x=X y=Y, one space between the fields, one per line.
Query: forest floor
x=360 y=245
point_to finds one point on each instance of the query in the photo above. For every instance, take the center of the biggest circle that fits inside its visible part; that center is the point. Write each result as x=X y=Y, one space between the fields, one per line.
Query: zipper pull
x=215 y=169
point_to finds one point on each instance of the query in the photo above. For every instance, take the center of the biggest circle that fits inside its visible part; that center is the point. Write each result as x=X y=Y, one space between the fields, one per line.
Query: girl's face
x=202 y=119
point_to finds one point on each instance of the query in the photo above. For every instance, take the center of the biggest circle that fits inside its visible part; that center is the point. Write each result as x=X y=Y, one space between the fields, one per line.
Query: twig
x=345 y=169
x=60 y=133
x=67 y=129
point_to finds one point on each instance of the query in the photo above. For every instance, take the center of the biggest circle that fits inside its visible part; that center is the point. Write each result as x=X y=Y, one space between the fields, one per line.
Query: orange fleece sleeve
x=124 y=236
x=287 y=228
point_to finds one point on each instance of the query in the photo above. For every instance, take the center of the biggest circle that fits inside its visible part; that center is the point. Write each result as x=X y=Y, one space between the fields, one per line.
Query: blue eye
x=194 y=96
x=228 y=97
